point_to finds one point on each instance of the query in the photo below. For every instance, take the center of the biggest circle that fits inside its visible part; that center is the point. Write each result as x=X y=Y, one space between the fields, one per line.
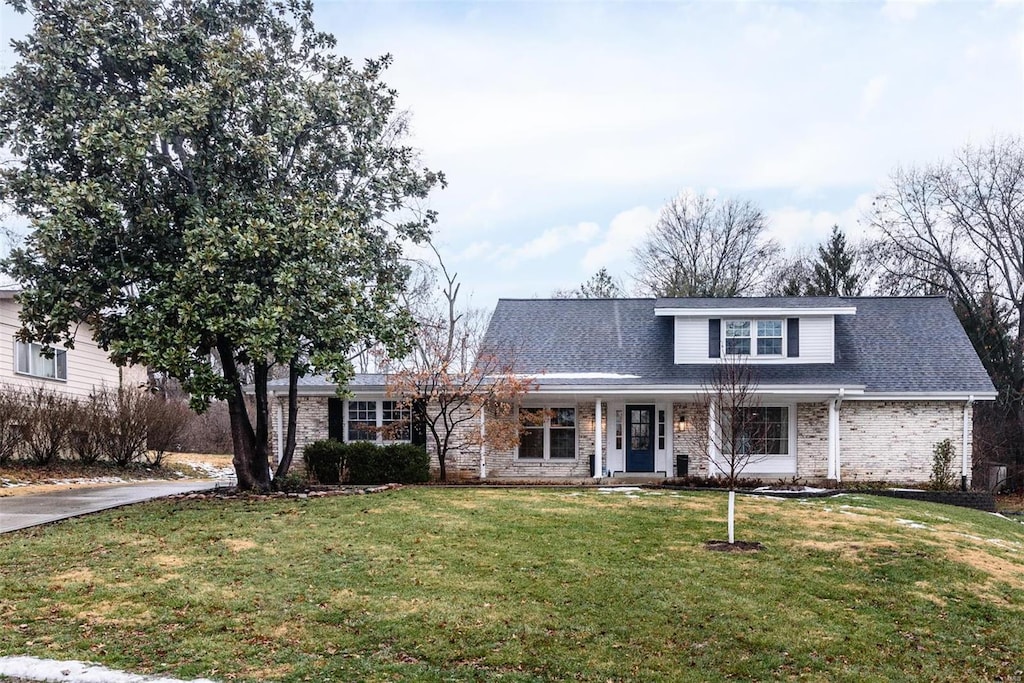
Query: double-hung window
x=31 y=359
x=378 y=421
x=769 y=337
x=547 y=433
x=737 y=337
x=753 y=338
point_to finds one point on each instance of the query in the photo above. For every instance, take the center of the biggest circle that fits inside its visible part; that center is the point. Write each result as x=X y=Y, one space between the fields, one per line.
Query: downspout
x=834 y=460
x=968 y=419
x=598 y=464
x=483 y=443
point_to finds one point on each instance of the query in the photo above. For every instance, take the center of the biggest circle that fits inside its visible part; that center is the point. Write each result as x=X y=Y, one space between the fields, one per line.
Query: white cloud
x=550 y=242
x=903 y=10
x=796 y=227
x=624 y=232
x=872 y=93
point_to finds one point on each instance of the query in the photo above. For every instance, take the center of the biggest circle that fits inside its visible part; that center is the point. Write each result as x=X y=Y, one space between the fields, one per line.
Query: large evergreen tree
x=834 y=273
x=206 y=179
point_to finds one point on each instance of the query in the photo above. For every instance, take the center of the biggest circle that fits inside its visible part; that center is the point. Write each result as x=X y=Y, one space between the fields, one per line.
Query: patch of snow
x=619 y=489
x=36 y=669
x=911 y=524
x=801 y=489
x=212 y=471
x=853 y=507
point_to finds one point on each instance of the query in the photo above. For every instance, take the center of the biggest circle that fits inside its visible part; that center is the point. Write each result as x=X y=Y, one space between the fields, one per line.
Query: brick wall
x=310 y=424
x=504 y=464
x=894 y=440
x=812 y=441
x=685 y=440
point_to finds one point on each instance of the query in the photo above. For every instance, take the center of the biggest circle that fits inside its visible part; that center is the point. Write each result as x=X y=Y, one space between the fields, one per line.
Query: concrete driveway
x=21 y=512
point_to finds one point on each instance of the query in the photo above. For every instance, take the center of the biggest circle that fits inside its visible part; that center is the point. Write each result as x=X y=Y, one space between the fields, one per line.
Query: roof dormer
x=764 y=330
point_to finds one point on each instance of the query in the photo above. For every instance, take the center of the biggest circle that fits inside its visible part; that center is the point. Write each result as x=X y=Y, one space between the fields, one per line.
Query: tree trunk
x=288 y=452
x=252 y=468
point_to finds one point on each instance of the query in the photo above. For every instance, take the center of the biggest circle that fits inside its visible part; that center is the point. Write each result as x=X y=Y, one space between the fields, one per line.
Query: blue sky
x=564 y=126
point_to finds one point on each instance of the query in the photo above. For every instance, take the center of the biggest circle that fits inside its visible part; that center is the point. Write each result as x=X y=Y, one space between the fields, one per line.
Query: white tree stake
x=732 y=510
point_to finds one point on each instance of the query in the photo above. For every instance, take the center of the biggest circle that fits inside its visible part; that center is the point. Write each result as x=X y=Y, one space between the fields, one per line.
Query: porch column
x=714 y=444
x=598 y=464
x=834 y=465
x=483 y=444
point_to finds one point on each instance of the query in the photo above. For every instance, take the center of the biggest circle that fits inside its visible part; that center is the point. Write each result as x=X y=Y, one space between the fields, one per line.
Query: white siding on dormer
x=817 y=340
x=691 y=340
x=817 y=335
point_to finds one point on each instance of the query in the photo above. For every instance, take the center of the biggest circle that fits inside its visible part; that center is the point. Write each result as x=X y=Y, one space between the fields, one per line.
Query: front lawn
x=526 y=584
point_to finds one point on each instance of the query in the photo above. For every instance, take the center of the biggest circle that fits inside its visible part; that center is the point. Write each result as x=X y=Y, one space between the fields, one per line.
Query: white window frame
x=378 y=421
x=753 y=322
x=35 y=356
x=547 y=433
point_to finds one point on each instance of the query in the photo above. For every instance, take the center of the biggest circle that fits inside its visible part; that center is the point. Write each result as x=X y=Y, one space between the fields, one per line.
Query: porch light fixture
x=681 y=425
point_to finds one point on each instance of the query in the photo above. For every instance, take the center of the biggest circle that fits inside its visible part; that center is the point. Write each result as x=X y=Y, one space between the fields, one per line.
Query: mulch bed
x=226 y=492
x=737 y=547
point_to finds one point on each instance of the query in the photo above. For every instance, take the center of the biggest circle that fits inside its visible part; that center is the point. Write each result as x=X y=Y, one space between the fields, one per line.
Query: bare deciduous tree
x=448 y=383
x=730 y=425
x=957 y=228
x=705 y=246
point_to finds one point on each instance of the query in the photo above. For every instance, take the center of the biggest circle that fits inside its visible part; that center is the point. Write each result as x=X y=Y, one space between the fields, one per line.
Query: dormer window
x=769 y=337
x=737 y=337
x=753 y=338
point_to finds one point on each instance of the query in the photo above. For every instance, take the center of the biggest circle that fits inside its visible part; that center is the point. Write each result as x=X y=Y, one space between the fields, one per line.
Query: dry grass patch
x=237 y=545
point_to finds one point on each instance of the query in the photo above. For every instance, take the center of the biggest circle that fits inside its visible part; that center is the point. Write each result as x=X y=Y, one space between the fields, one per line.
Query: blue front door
x=640 y=438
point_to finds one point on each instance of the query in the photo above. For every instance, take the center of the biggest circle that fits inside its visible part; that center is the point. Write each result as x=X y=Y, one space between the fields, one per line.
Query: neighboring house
x=75 y=372
x=852 y=388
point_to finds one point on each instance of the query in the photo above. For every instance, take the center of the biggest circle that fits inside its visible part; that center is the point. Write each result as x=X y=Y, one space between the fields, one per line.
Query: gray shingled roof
x=891 y=345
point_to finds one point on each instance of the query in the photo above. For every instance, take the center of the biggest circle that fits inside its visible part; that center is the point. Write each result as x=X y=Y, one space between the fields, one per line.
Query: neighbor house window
x=753 y=338
x=31 y=360
x=547 y=433
x=758 y=431
x=378 y=421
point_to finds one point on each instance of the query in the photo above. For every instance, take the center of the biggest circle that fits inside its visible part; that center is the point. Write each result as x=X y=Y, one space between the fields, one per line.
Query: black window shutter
x=793 y=335
x=418 y=433
x=714 y=338
x=336 y=419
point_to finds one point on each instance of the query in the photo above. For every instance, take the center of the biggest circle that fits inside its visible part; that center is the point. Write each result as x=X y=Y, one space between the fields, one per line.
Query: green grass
x=432 y=584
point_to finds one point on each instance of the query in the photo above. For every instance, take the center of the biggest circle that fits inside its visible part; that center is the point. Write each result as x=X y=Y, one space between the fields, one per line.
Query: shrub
x=409 y=464
x=87 y=437
x=166 y=420
x=325 y=460
x=942 y=477
x=293 y=482
x=126 y=425
x=48 y=421
x=364 y=463
x=12 y=416
x=395 y=463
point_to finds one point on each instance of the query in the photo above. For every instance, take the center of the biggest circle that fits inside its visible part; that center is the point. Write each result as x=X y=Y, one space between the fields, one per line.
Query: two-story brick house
x=850 y=388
